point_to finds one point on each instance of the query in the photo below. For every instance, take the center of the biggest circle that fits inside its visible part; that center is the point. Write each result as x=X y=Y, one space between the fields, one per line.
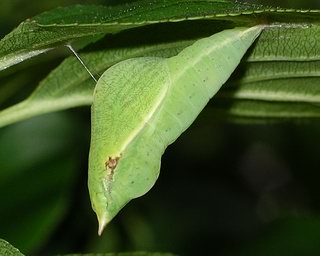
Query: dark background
x=224 y=189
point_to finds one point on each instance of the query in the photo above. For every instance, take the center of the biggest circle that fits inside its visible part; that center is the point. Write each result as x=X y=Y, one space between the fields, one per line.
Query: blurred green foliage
x=224 y=189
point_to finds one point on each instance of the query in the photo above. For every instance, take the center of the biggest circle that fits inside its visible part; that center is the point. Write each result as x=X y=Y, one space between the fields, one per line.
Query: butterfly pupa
x=142 y=105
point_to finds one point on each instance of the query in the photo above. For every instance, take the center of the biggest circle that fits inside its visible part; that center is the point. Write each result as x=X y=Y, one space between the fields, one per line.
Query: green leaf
x=273 y=83
x=124 y=254
x=280 y=80
x=8 y=250
x=70 y=85
x=65 y=25
x=283 y=52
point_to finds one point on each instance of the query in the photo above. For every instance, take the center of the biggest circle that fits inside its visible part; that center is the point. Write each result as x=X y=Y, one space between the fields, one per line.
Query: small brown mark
x=110 y=165
x=112 y=162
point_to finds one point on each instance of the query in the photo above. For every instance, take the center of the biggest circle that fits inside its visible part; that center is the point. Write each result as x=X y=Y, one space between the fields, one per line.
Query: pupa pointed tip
x=102 y=224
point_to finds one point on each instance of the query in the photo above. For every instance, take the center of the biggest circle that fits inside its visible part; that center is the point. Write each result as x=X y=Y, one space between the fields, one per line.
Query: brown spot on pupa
x=110 y=165
x=112 y=162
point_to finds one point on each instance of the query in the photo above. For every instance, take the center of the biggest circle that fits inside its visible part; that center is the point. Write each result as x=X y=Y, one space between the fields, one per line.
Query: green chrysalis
x=142 y=105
